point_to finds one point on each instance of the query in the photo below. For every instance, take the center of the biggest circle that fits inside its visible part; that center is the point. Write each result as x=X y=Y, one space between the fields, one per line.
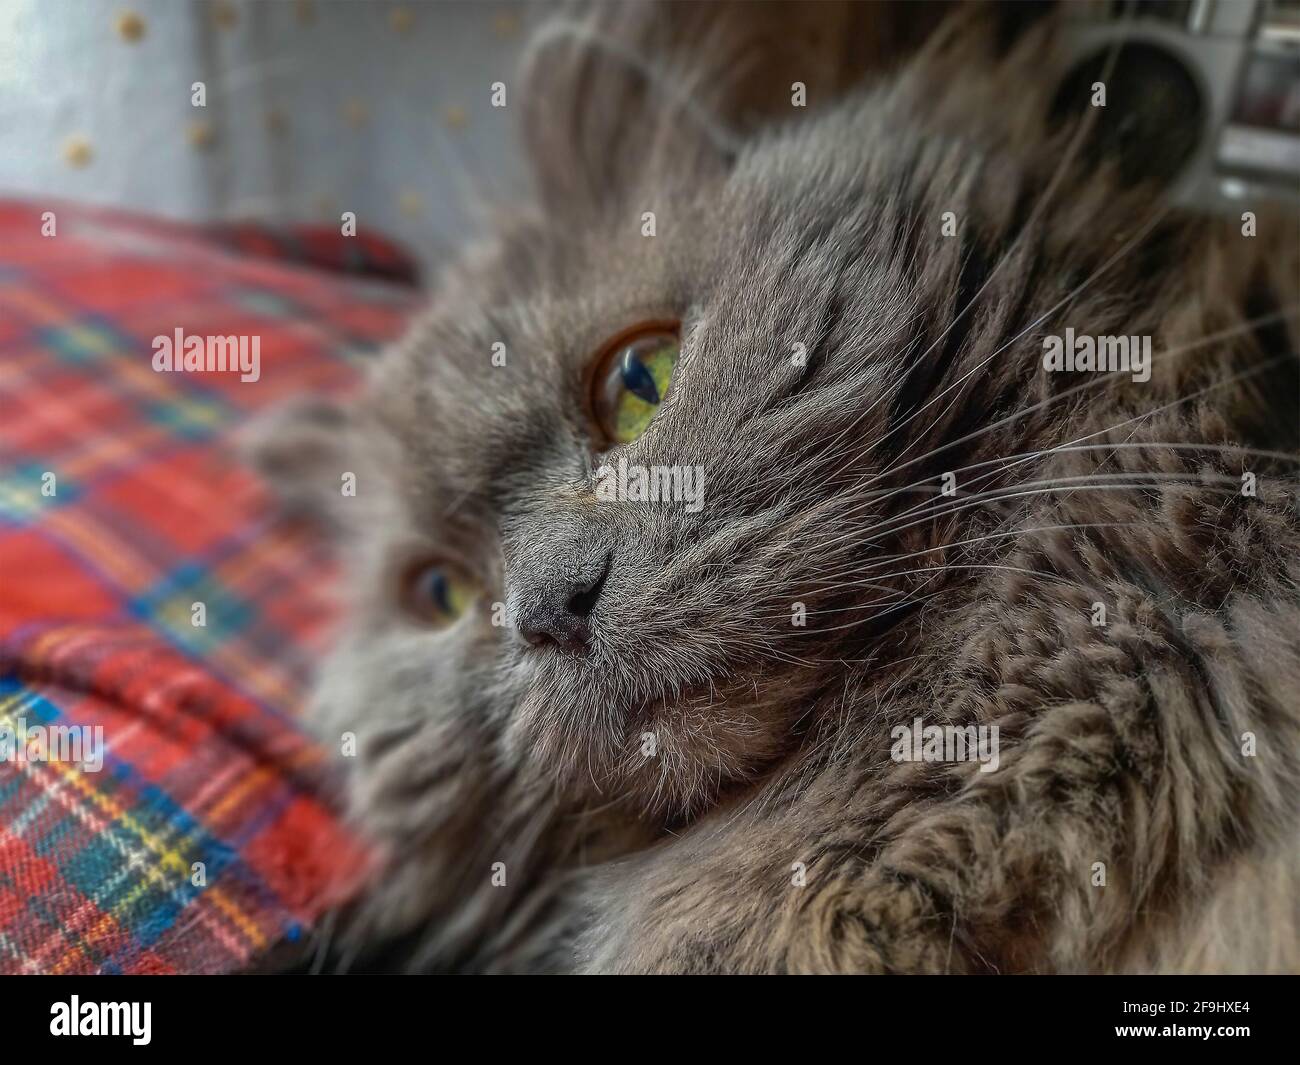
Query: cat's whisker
x=1020 y=458
x=1120 y=445
x=1064 y=301
x=946 y=567
x=973 y=541
x=1014 y=492
x=325 y=938
x=1103 y=378
x=875 y=496
x=905 y=601
x=934 y=506
x=970 y=542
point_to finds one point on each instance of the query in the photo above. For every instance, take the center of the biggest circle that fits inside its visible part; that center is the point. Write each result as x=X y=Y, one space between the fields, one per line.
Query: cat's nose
x=555 y=608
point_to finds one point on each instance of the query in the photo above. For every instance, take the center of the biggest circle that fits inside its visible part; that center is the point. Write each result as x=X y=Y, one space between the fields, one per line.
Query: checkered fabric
x=205 y=838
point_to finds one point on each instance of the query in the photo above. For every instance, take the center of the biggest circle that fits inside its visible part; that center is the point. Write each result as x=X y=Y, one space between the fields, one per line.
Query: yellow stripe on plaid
x=20 y=496
x=141 y=376
x=51 y=640
x=104 y=550
x=30 y=303
x=83 y=342
x=195 y=412
x=271 y=687
x=26 y=697
x=108 y=450
x=19 y=367
x=238 y=793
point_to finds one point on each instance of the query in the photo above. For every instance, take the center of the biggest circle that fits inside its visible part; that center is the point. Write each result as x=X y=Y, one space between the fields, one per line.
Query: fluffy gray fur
x=1120 y=744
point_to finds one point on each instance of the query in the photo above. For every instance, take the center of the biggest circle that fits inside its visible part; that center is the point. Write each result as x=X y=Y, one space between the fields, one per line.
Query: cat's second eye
x=630 y=381
x=437 y=593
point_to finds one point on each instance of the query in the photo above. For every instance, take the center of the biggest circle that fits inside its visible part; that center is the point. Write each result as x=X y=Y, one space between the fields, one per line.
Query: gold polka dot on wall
x=200 y=134
x=224 y=14
x=304 y=11
x=130 y=26
x=455 y=117
x=410 y=203
x=401 y=19
x=77 y=152
x=355 y=114
x=277 y=122
x=505 y=23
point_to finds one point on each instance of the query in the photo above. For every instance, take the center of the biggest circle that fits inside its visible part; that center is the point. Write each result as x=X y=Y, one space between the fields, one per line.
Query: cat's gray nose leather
x=554 y=606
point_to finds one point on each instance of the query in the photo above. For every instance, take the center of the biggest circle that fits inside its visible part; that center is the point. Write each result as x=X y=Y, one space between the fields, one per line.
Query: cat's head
x=633 y=494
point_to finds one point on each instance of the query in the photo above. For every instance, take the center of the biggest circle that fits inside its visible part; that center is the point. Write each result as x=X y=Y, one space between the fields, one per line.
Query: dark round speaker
x=1154 y=113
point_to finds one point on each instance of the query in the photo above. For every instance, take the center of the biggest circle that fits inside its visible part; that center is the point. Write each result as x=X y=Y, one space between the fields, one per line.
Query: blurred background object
x=1209 y=89
x=287 y=111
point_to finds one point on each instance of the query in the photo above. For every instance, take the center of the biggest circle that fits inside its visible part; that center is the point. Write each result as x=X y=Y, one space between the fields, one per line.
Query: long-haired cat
x=965 y=661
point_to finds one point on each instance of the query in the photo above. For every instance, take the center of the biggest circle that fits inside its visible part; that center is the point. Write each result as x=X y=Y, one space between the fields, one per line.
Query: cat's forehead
x=490 y=386
x=552 y=291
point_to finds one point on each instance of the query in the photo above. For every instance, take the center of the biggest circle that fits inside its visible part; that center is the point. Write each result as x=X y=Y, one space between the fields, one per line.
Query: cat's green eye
x=631 y=380
x=437 y=592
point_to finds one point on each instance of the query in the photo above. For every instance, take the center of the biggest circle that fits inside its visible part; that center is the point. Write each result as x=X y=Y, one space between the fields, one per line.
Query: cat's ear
x=615 y=95
x=306 y=450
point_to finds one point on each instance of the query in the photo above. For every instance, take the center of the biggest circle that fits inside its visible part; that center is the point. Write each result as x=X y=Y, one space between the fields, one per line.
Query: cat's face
x=790 y=309
x=686 y=661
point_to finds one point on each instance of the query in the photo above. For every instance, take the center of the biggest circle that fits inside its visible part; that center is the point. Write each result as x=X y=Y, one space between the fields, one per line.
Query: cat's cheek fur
x=413 y=718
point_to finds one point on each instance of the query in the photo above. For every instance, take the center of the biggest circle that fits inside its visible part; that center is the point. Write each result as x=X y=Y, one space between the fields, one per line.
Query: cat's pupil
x=437 y=591
x=638 y=380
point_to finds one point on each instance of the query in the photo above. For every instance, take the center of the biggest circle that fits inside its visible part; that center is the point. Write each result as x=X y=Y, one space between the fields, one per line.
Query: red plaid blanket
x=203 y=839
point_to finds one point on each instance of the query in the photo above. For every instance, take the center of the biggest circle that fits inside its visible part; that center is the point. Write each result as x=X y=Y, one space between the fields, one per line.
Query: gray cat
x=965 y=661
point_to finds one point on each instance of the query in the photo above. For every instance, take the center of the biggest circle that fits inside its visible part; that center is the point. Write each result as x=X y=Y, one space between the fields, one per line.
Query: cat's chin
x=669 y=754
